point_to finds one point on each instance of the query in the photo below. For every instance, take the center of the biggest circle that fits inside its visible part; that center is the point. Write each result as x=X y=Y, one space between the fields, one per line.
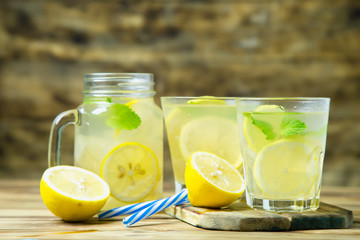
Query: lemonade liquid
x=194 y=124
x=94 y=139
x=283 y=157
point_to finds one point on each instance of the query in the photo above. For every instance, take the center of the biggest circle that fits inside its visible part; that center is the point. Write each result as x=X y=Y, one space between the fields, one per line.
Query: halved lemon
x=215 y=135
x=286 y=169
x=212 y=181
x=131 y=170
x=73 y=194
x=254 y=136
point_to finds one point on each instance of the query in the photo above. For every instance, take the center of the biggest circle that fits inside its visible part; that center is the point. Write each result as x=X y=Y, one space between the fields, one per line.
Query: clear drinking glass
x=205 y=124
x=118 y=135
x=283 y=146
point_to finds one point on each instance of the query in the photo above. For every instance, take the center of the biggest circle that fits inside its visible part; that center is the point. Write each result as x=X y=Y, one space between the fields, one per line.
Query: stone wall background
x=270 y=48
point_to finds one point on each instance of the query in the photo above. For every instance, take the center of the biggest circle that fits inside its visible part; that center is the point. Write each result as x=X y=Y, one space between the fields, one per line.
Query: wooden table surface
x=23 y=215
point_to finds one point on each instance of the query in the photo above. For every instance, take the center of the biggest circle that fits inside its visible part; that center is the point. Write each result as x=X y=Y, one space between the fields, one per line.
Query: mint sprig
x=122 y=117
x=265 y=127
x=291 y=127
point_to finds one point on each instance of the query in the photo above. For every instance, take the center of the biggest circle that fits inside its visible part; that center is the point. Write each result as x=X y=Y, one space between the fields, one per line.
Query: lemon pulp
x=286 y=169
x=72 y=193
x=212 y=181
x=214 y=135
x=131 y=170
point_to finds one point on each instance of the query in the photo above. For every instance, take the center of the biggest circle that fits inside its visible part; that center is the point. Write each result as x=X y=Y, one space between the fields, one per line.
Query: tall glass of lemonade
x=118 y=135
x=283 y=145
x=206 y=124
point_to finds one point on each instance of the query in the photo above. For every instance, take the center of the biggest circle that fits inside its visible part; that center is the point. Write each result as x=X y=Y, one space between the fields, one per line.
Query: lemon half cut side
x=131 y=170
x=212 y=181
x=72 y=193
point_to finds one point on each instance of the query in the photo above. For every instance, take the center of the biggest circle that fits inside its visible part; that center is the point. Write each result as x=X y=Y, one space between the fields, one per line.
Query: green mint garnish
x=122 y=117
x=108 y=99
x=291 y=127
x=265 y=127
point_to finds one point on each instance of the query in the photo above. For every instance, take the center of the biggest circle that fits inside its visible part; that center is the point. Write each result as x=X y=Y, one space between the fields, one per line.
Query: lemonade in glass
x=118 y=135
x=283 y=146
x=200 y=124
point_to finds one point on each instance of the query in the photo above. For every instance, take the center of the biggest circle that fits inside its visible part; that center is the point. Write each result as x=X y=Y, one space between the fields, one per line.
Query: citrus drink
x=283 y=145
x=206 y=124
x=129 y=158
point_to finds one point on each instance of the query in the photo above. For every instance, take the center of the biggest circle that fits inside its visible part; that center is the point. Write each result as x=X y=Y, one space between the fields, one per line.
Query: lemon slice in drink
x=254 y=136
x=215 y=135
x=73 y=194
x=131 y=170
x=207 y=100
x=212 y=181
x=286 y=169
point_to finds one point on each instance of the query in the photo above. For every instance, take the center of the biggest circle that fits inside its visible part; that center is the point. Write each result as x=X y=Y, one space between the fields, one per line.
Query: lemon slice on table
x=254 y=136
x=73 y=194
x=212 y=181
x=131 y=170
x=215 y=135
x=286 y=169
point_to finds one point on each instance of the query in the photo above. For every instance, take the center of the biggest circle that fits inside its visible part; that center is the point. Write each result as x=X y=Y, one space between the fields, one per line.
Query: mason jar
x=118 y=135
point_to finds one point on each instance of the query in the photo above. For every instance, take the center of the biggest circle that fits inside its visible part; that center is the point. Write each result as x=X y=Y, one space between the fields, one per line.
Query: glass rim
x=112 y=75
x=116 y=84
x=201 y=97
x=304 y=99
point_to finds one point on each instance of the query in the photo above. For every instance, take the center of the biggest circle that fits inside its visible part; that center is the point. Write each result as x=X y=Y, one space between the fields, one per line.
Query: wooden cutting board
x=239 y=217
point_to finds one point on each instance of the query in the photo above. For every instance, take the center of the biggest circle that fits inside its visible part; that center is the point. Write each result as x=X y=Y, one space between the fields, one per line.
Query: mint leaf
x=122 y=117
x=108 y=99
x=265 y=127
x=291 y=127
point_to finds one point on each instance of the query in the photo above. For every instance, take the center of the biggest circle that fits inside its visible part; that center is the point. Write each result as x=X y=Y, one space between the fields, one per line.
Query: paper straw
x=158 y=206
x=125 y=210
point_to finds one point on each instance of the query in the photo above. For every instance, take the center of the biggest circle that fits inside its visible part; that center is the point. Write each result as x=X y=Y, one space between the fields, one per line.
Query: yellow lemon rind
x=66 y=206
x=202 y=190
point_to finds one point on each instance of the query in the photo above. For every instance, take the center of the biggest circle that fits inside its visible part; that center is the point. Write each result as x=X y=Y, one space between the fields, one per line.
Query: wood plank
x=239 y=217
x=24 y=216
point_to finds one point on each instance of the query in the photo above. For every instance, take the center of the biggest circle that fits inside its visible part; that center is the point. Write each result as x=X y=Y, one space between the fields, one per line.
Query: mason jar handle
x=57 y=127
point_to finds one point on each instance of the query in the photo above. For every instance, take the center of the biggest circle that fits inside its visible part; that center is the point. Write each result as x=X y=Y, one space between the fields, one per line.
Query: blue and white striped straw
x=125 y=210
x=157 y=206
